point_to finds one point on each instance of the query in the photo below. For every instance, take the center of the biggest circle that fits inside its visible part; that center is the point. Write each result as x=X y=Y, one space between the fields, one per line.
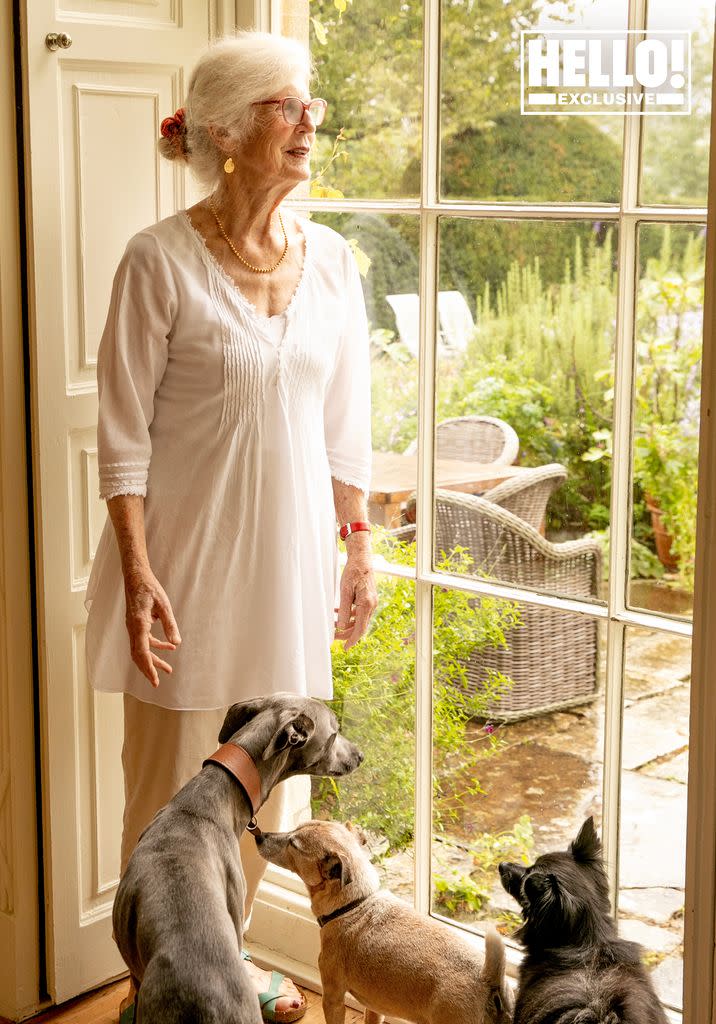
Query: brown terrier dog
x=392 y=959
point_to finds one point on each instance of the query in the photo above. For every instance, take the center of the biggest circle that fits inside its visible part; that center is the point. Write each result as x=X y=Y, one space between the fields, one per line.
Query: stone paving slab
x=649 y=936
x=655 y=663
x=675 y=768
x=668 y=978
x=655 y=727
x=656 y=904
x=653 y=832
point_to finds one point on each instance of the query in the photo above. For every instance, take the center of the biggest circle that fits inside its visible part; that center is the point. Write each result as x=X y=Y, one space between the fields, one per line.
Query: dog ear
x=587 y=845
x=357 y=832
x=293 y=731
x=553 y=900
x=238 y=715
x=333 y=867
x=543 y=895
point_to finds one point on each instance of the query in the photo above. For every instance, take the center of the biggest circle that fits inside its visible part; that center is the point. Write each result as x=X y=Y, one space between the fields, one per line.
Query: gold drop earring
x=229 y=166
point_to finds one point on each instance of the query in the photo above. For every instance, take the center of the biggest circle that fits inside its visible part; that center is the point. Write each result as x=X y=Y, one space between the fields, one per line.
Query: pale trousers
x=162 y=750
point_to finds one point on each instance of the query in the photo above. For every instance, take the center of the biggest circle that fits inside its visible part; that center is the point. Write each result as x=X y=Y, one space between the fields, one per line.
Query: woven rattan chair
x=527 y=495
x=552 y=656
x=482 y=439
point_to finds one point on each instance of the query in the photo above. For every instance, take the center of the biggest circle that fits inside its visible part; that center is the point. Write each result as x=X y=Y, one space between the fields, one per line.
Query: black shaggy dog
x=576 y=970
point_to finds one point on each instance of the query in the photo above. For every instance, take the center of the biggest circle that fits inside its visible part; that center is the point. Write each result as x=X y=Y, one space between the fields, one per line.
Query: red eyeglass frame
x=306 y=106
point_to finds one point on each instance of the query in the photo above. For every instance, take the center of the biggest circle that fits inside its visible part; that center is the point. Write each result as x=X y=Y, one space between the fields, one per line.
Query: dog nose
x=361 y=756
x=502 y=867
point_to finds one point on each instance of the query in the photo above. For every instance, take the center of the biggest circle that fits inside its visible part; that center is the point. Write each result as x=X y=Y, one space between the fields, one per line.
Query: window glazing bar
x=506 y=211
x=621 y=498
x=428 y=257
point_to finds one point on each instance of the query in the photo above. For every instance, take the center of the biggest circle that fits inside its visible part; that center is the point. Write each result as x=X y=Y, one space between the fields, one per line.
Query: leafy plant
x=459 y=892
x=374 y=695
x=668 y=377
x=535 y=360
x=644 y=563
x=667 y=389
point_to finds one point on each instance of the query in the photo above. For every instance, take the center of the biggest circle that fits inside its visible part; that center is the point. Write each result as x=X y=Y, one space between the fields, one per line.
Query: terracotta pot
x=662 y=538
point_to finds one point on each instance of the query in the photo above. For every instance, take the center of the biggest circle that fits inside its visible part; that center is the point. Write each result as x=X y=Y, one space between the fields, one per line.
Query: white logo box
x=581 y=71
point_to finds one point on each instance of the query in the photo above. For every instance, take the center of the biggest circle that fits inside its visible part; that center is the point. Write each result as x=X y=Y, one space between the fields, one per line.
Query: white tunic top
x=231 y=424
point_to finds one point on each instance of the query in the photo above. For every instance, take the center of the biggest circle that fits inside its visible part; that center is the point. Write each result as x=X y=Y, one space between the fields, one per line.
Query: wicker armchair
x=527 y=495
x=474 y=439
x=552 y=656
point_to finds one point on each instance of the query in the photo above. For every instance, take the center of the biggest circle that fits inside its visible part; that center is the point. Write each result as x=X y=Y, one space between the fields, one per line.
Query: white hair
x=232 y=74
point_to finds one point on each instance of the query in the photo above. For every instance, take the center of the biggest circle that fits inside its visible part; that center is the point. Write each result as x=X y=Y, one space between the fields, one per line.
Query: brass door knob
x=58 y=41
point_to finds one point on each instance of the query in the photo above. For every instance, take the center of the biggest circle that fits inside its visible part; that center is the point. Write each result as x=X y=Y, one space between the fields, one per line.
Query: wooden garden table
x=394 y=479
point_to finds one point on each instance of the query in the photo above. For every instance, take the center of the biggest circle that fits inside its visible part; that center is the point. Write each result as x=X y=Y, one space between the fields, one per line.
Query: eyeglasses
x=293 y=109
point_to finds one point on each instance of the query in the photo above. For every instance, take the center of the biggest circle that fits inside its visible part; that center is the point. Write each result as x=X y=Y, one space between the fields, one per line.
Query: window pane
x=489 y=149
x=369 y=69
x=527 y=314
x=652 y=850
x=669 y=324
x=675 y=150
x=517 y=762
x=374 y=699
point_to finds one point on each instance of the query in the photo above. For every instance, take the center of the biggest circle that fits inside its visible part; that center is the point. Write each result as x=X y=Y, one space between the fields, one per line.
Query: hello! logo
x=576 y=71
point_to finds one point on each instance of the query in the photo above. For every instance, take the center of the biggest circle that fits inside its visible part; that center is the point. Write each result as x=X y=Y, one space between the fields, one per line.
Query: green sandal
x=127 y=1015
x=268 y=1000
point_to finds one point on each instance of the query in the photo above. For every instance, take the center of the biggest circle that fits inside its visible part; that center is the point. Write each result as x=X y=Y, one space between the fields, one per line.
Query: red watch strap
x=348 y=528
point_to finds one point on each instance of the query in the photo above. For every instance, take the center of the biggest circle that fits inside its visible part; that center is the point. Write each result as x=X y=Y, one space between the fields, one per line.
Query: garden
x=540 y=356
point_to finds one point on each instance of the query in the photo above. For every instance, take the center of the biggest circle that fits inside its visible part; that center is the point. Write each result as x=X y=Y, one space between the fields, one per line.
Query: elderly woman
x=234 y=435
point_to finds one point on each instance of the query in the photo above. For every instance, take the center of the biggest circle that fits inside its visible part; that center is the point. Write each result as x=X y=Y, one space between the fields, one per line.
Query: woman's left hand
x=359 y=599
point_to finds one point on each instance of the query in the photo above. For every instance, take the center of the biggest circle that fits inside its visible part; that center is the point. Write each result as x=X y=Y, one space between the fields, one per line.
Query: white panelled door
x=92 y=115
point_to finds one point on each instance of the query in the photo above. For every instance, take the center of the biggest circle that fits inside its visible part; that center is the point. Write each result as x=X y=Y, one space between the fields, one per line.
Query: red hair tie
x=174 y=125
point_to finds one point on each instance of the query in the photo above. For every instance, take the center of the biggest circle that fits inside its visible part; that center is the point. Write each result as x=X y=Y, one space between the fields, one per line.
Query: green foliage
x=394 y=395
x=644 y=563
x=501 y=160
x=476 y=254
x=459 y=893
x=667 y=390
x=541 y=359
x=668 y=379
x=535 y=361
x=675 y=150
x=374 y=695
x=393 y=260
x=368 y=61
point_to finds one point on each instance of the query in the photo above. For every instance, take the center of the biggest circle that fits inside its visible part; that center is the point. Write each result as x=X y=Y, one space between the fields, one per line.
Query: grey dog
x=178 y=913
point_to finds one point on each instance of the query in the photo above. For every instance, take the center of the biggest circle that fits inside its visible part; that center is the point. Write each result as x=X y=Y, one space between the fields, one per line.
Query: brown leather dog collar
x=240 y=764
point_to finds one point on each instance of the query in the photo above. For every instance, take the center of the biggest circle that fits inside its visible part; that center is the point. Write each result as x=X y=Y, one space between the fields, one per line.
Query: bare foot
x=291 y=998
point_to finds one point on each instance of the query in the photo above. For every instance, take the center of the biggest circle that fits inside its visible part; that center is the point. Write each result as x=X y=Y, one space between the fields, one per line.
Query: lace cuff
x=117 y=478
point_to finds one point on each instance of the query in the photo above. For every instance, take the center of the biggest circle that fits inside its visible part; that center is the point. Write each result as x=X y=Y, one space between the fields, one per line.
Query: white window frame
x=628 y=214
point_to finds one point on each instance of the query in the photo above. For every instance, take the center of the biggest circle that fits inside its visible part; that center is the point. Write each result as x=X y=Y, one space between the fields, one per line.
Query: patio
x=549 y=768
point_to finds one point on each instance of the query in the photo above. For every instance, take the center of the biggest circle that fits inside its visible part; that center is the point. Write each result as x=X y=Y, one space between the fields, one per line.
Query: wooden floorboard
x=102 y=1007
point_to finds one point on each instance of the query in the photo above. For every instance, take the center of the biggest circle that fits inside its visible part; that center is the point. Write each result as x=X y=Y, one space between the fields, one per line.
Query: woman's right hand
x=146 y=602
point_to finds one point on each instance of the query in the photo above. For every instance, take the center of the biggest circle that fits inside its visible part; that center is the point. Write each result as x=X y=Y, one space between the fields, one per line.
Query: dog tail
x=493 y=970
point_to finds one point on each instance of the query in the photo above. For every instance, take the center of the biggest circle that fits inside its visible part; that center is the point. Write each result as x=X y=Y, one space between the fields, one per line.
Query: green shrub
x=374 y=696
x=667 y=387
x=463 y=893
